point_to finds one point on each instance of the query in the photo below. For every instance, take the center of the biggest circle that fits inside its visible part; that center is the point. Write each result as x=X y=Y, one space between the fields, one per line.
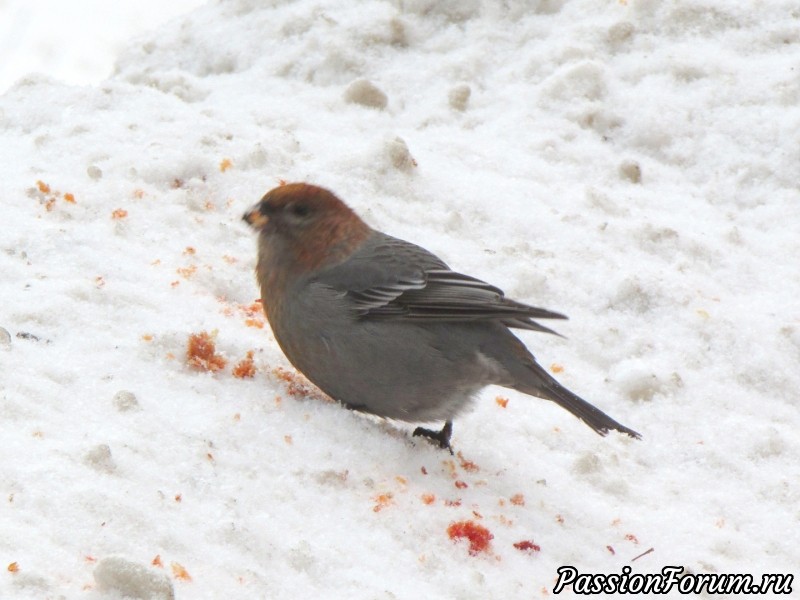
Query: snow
x=631 y=164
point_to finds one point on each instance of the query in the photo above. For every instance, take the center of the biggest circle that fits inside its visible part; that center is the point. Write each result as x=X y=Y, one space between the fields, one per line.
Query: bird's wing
x=388 y=278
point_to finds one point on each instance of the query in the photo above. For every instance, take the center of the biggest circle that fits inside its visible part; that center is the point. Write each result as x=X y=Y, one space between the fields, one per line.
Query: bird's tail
x=544 y=386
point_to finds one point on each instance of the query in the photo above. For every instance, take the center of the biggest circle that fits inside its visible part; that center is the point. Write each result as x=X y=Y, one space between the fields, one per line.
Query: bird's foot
x=442 y=438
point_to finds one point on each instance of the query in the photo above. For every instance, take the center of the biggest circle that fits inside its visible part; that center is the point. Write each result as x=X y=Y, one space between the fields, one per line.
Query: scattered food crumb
x=527 y=546
x=479 y=536
x=201 y=353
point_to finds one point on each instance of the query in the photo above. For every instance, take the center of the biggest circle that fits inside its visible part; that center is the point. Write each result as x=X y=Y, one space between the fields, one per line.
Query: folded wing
x=393 y=279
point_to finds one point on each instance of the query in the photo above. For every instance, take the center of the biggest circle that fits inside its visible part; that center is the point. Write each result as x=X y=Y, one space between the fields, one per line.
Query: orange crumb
x=69 y=198
x=179 y=572
x=297 y=385
x=14 y=566
x=401 y=480
x=189 y=250
x=175 y=283
x=229 y=259
x=451 y=466
x=209 y=205
x=428 y=498
x=225 y=164
x=382 y=501
x=147 y=337
x=43 y=187
x=119 y=213
x=501 y=402
x=288 y=439
x=467 y=465
x=186 y=272
x=157 y=561
x=48 y=206
x=178 y=497
x=257 y=323
x=518 y=500
x=282 y=182
x=138 y=194
x=479 y=537
x=559 y=519
x=253 y=309
x=556 y=368
x=170 y=356
x=237 y=417
x=201 y=353
x=245 y=367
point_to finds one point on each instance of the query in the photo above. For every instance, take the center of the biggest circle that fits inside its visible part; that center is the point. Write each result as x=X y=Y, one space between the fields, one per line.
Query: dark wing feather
x=391 y=279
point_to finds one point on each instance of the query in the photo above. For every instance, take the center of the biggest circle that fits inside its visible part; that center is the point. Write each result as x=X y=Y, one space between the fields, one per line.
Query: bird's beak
x=255 y=219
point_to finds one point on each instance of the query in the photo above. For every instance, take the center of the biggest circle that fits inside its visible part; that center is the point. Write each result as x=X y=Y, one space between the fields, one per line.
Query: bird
x=385 y=327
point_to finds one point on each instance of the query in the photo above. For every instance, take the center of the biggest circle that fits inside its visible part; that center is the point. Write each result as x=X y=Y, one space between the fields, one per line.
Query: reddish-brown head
x=307 y=226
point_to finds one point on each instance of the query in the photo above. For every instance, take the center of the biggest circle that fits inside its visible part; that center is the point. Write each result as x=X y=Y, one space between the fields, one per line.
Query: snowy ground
x=632 y=164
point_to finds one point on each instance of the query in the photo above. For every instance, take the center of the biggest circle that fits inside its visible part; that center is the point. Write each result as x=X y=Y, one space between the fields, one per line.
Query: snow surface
x=75 y=41
x=633 y=164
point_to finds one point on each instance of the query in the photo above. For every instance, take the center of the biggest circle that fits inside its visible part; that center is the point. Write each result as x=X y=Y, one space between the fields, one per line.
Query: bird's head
x=306 y=224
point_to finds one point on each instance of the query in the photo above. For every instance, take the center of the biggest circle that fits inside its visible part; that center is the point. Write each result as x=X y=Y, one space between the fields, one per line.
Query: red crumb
x=201 y=353
x=245 y=367
x=518 y=500
x=631 y=538
x=527 y=546
x=461 y=484
x=479 y=537
x=467 y=465
x=428 y=498
x=610 y=549
x=157 y=561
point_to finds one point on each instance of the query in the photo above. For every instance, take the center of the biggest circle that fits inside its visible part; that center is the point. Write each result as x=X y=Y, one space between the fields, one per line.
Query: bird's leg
x=439 y=437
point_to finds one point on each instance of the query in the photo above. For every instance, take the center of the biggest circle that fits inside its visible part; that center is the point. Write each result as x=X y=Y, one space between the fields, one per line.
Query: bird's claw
x=441 y=438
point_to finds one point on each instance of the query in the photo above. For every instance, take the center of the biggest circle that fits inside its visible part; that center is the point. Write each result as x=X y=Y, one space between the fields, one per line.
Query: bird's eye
x=300 y=210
